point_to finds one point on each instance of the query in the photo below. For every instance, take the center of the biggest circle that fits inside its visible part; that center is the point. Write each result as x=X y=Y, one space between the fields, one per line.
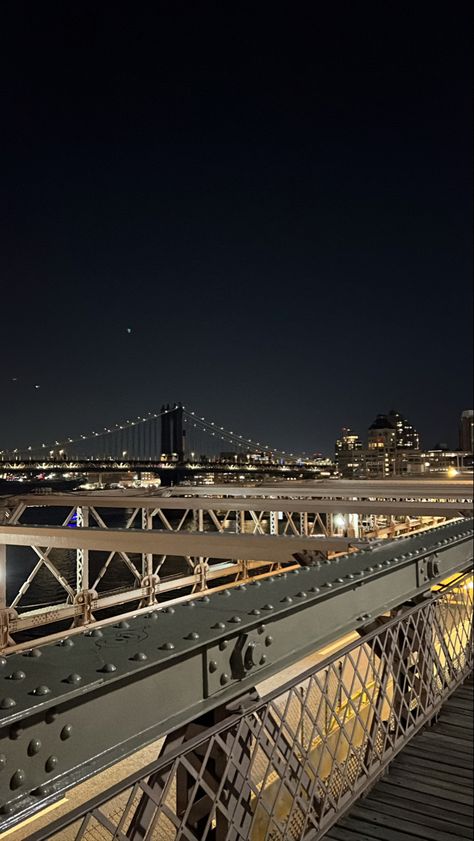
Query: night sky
x=259 y=210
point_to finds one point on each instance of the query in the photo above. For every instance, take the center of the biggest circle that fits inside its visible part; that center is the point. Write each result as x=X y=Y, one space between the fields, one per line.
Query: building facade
x=349 y=455
x=466 y=431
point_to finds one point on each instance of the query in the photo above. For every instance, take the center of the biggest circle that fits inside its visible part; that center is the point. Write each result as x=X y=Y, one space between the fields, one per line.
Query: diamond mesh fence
x=286 y=767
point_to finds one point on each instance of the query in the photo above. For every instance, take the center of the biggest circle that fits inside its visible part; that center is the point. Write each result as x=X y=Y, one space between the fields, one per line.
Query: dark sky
x=275 y=199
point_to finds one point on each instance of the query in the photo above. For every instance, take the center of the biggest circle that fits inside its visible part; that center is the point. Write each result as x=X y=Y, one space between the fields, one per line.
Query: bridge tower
x=166 y=416
x=178 y=431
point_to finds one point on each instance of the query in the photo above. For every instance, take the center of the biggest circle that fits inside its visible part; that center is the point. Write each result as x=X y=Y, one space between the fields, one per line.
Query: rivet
x=255 y=584
x=267 y=607
x=19 y=675
x=34 y=747
x=235 y=619
x=3 y=761
x=73 y=678
x=339 y=580
x=41 y=791
x=18 y=779
x=328 y=584
x=16 y=731
x=192 y=636
x=108 y=667
x=261 y=629
x=314 y=589
x=295 y=571
x=219 y=626
x=33 y=652
x=263 y=659
x=205 y=599
x=3 y=661
x=167 y=646
x=241 y=587
x=212 y=666
x=189 y=604
x=96 y=632
x=224 y=593
x=140 y=655
x=224 y=679
x=255 y=612
x=66 y=732
x=153 y=616
x=168 y=610
x=287 y=599
x=350 y=576
x=301 y=594
x=67 y=643
x=223 y=645
x=7 y=703
x=51 y=763
x=268 y=640
x=51 y=716
x=271 y=579
x=41 y=690
x=122 y=624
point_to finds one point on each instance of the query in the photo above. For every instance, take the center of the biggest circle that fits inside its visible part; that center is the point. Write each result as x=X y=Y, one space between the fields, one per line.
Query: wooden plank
x=444 y=742
x=418 y=801
x=367 y=830
x=454 y=720
x=430 y=769
x=399 y=824
x=413 y=775
x=339 y=833
x=450 y=760
x=456 y=734
x=417 y=784
x=423 y=818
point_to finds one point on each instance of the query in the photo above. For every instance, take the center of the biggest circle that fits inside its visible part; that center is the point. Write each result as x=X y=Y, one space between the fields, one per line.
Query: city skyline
x=267 y=219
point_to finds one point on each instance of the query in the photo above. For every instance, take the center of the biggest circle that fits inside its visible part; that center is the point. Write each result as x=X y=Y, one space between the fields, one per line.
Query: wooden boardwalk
x=428 y=790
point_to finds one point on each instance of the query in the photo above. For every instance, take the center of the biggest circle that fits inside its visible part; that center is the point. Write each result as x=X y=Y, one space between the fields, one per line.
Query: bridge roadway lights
x=71 y=709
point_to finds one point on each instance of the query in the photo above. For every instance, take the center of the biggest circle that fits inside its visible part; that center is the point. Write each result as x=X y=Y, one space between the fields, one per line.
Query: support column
x=82 y=555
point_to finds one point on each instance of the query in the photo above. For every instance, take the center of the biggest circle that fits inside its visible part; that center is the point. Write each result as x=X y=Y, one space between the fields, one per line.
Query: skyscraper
x=349 y=456
x=407 y=437
x=466 y=431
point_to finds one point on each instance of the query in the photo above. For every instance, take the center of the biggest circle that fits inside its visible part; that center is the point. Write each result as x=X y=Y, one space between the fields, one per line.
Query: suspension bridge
x=174 y=434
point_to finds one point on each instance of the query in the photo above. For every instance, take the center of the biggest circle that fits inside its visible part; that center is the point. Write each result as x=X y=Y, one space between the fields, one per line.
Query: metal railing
x=79 y=586
x=286 y=766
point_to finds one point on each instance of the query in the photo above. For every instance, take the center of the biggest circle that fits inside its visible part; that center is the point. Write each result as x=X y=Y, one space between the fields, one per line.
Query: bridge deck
x=427 y=792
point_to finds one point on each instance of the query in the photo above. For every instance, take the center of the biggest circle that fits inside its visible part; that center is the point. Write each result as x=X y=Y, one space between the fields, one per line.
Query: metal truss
x=284 y=767
x=76 y=698
x=160 y=529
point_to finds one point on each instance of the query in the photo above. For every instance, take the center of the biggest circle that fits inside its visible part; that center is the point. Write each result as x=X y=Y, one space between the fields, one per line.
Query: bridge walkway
x=427 y=792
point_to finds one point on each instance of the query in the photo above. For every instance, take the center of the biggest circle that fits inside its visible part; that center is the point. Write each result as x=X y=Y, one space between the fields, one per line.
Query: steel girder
x=71 y=709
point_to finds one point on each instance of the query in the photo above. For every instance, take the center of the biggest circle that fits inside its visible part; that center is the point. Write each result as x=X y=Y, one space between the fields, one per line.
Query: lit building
x=382 y=434
x=349 y=455
x=378 y=462
x=466 y=431
x=407 y=437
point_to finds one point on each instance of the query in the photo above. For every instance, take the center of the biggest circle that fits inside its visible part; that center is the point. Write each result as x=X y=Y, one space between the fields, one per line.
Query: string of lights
x=190 y=418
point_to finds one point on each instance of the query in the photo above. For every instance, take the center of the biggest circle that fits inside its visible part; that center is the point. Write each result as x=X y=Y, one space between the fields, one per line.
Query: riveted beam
x=67 y=710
